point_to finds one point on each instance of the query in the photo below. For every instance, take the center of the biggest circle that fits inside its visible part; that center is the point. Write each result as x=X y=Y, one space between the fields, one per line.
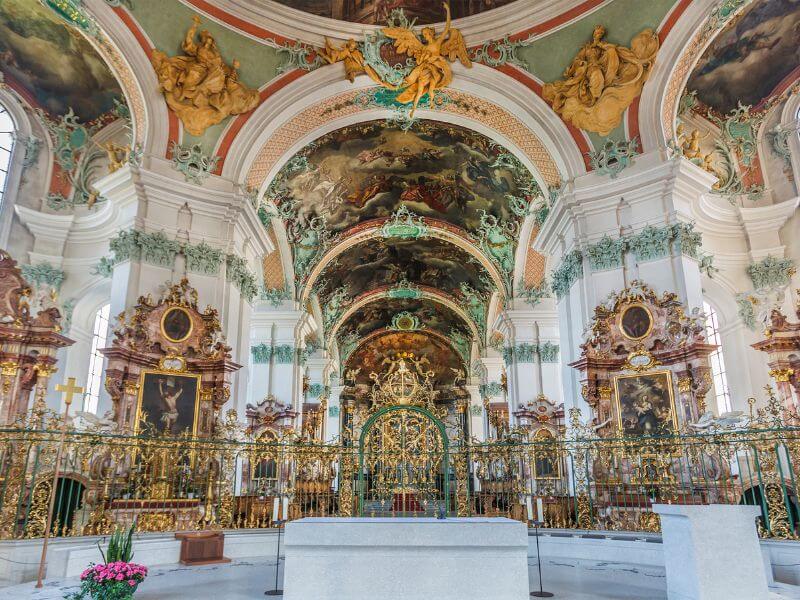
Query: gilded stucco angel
x=432 y=53
x=602 y=81
x=198 y=86
x=349 y=54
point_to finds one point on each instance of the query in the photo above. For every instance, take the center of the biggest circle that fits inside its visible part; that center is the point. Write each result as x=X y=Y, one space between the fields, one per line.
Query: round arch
x=380 y=294
x=384 y=331
x=372 y=230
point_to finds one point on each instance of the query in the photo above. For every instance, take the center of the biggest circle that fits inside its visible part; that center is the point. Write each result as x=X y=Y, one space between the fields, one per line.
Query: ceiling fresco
x=436 y=355
x=376 y=12
x=403 y=315
x=54 y=63
x=764 y=39
x=368 y=170
x=387 y=262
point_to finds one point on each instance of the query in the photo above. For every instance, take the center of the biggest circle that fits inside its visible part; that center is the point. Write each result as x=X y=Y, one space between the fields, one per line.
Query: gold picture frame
x=649 y=414
x=149 y=388
x=621 y=321
x=172 y=310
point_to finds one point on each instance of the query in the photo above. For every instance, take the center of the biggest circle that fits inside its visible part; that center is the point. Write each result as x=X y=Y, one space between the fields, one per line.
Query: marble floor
x=247 y=579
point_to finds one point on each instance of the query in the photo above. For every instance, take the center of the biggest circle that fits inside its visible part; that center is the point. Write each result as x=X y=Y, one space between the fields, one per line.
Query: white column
x=334 y=413
x=477 y=414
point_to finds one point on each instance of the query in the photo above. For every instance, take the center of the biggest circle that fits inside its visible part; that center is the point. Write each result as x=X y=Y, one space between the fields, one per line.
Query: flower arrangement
x=110 y=581
x=117 y=577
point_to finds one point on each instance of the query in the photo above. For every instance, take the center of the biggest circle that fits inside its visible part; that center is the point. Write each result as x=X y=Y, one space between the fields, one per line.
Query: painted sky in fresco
x=764 y=40
x=378 y=262
x=375 y=12
x=379 y=314
x=57 y=66
x=368 y=170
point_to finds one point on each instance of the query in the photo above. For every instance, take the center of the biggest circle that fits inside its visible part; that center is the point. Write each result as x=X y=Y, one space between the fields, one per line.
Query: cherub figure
x=348 y=53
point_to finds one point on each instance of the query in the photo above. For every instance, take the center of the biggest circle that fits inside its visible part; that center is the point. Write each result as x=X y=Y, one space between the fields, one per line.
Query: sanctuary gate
x=403 y=466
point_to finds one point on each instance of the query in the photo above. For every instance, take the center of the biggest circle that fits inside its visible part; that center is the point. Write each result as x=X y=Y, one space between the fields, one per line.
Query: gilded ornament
x=430 y=54
x=199 y=87
x=690 y=149
x=602 y=81
x=781 y=375
x=118 y=155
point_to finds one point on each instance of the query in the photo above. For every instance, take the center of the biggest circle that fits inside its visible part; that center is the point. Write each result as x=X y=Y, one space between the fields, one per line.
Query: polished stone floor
x=567 y=579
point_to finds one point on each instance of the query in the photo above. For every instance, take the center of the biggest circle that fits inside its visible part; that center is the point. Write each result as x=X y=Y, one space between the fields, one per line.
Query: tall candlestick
x=529 y=506
x=539 y=510
x=285 y=508
x=275 y=507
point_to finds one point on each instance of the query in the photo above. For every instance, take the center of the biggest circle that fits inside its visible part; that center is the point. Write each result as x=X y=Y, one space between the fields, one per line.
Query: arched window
x=6 y=143
x=95 y=379
x=721 y=391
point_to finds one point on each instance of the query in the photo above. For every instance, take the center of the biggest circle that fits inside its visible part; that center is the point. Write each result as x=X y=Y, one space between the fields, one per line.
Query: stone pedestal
x=699 y=543
x=408 y=559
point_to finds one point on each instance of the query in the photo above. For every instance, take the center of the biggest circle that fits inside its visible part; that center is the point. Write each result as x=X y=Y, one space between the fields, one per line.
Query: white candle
x=285 y=508
x=529 y=506
x=539 y=510
x=275 y=505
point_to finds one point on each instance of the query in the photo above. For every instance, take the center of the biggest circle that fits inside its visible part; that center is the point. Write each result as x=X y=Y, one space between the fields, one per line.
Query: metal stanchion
x=541 y=593
x=277 y=591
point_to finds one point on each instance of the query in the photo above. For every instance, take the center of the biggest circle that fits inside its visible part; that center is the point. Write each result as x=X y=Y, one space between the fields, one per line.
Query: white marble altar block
x=712 y=552
x=406 y=559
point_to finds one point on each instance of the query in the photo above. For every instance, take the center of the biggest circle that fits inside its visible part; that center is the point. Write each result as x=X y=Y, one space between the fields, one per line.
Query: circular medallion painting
x=176 y=324
x=636 y=322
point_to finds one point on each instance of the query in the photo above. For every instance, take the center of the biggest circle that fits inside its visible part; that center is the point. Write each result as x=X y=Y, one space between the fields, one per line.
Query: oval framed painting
x=176 y=324
x=636 y=322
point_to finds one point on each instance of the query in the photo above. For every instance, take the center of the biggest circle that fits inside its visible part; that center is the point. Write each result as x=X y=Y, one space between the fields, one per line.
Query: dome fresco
x=766 y=38
x=386 y=262
x=57 y=66
x=376 y=12
x=368 y=170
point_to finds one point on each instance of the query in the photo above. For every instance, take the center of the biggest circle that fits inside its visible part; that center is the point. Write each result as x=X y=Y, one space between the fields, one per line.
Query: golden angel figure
x=432 y=54
x=602 y=81
x=348 y=53
x=198 y=86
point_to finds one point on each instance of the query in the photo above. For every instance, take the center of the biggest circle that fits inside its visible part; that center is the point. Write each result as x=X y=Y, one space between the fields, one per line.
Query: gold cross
x=69 y=390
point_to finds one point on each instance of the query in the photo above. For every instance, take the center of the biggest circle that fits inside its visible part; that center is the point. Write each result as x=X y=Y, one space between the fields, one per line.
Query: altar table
x=406 y=559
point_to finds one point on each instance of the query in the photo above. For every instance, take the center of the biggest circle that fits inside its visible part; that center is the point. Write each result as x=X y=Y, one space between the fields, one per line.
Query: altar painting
x=645 y=404
x=168 y=403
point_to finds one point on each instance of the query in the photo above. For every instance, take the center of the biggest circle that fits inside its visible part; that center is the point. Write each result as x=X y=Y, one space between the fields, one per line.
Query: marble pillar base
x=712 y=552
x=408 y=559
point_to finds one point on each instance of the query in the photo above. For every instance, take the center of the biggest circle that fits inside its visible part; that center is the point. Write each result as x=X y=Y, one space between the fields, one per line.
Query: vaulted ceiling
x=404 y=228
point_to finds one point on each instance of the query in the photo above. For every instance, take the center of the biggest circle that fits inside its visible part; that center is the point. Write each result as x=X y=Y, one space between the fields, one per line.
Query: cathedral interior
x=270 y=260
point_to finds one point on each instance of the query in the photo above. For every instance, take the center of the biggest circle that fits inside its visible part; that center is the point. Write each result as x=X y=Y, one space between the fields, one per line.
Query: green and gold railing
x=166 y=484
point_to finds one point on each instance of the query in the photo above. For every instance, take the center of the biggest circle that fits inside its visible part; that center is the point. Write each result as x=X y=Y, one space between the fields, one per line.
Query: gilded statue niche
x=198 y=86
x=602 y=81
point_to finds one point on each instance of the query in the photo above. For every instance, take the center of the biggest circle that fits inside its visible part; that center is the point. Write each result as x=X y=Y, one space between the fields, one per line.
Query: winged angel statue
x=429 y=71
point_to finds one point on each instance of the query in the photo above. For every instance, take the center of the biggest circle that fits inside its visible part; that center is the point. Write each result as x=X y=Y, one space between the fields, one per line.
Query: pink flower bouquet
x=111 y=581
